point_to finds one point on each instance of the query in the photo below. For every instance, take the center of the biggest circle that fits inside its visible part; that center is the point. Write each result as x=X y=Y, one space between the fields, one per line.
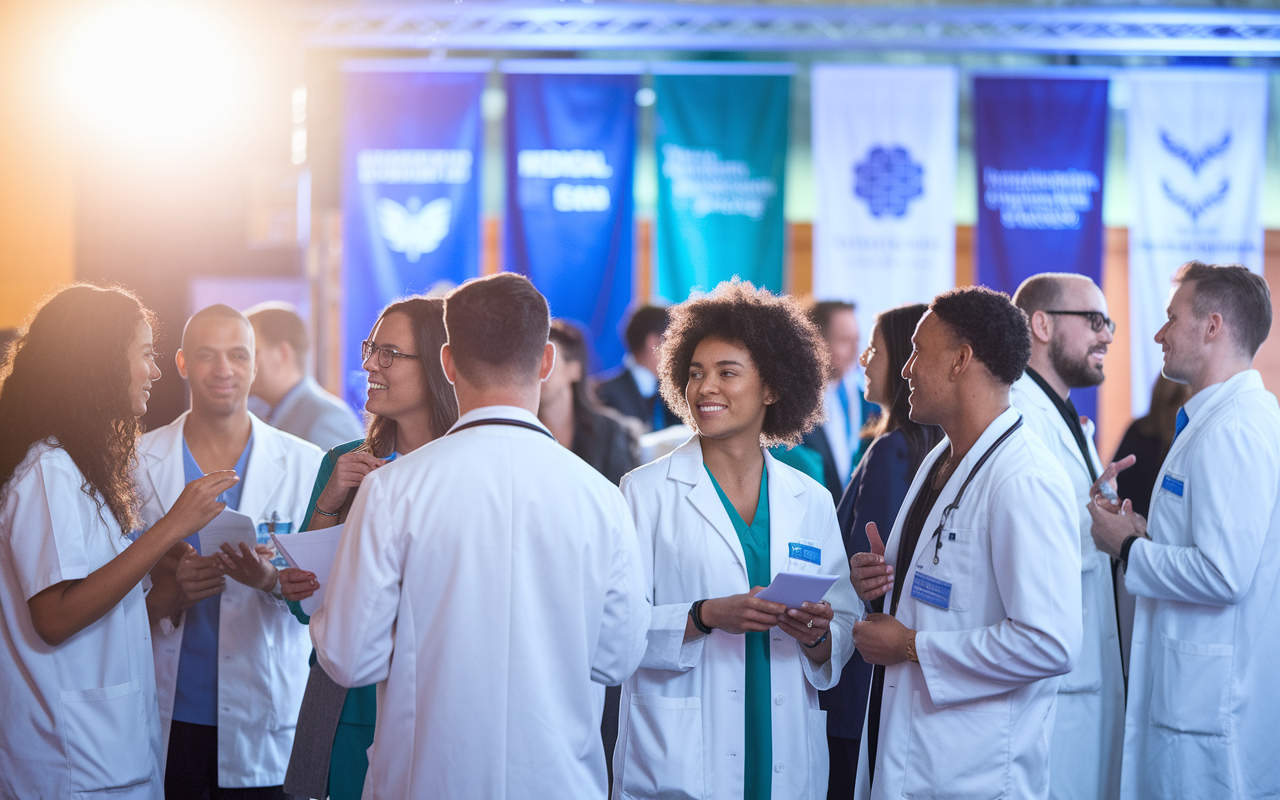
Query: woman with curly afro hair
x=80 y=687
x=725 y=704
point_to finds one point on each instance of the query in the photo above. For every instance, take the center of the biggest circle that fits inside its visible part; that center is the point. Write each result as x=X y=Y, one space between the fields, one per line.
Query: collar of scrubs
x=1198 y=399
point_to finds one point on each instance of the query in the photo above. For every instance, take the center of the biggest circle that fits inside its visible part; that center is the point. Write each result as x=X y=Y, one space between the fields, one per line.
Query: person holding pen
x=725 y=703
x=410 y=403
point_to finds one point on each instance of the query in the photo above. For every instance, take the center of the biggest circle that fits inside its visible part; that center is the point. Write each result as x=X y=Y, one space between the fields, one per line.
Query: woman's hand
x=742 y=613
x=347 y=474
x=297 y=584
x=198 y=504
x=808 y=623
x=250 y=566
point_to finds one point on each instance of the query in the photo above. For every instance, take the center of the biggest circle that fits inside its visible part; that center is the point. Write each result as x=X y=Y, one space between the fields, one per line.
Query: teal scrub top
x=759 y=716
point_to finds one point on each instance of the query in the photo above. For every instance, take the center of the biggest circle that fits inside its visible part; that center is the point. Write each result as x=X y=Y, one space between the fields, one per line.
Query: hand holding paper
x=313 y=552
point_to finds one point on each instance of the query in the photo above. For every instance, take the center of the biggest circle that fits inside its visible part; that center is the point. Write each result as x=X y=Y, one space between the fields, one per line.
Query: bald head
x=218 y=311
x=1047 y=291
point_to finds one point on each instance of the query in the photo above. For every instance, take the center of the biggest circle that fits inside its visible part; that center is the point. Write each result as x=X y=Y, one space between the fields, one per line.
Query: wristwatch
x=911 y=650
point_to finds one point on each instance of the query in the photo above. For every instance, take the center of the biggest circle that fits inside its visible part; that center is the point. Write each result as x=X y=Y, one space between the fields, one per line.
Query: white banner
x=1197 y=152
x=884 y=155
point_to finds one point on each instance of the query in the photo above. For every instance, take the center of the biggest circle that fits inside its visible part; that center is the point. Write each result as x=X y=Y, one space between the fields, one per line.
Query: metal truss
x=475 y=25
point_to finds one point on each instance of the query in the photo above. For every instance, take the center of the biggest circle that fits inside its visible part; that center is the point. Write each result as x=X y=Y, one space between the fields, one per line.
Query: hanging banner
x=884 y=154
x=411 y=189
x=571 y=141
x=1197 y=146
x=722 y=150
x=1041 y=148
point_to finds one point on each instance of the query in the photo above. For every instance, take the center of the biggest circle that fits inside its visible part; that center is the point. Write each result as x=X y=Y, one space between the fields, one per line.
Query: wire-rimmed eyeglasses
x=1097 y=320
x=386 y=355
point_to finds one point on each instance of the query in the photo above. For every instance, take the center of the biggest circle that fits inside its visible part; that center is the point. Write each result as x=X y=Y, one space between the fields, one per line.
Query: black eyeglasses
x=1097 y=320
x=386 y=355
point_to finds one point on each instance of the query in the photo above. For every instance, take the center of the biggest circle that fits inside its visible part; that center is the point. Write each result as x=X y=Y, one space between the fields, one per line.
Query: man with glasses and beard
x=1070 y=332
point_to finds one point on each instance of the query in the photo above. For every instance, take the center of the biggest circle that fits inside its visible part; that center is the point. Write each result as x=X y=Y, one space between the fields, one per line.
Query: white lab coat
x=681 y=723
x=1203 y=702
x=491 y=582
x=974 y=717
x=1084 y=754
x=80 y=718
x=262 y=650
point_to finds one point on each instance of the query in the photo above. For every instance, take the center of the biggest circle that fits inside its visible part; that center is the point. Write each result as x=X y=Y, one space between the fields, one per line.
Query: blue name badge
x=805 y=552
x=1172 y=485
x=931 y=590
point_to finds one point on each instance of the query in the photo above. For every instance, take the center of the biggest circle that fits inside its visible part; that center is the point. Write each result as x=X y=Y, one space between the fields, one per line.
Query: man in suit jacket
x=1070 y=332
x=633 y=388
x=838 y=440
x=294 y=402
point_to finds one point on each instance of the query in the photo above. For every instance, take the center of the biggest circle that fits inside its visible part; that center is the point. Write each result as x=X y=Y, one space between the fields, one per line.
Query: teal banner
x=722 y=153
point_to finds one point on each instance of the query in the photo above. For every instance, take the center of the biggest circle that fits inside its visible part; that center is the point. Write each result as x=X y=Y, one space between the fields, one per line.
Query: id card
x=931 y=590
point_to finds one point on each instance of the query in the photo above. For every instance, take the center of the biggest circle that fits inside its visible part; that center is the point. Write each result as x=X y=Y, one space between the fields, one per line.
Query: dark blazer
x=816 y=440
x=875 y=493
x=609 y=442
x=619 y=392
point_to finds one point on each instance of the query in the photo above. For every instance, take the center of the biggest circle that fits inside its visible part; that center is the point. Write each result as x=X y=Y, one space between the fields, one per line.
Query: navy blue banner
x=411 y=192
x=571 y=142
x=1041 y=150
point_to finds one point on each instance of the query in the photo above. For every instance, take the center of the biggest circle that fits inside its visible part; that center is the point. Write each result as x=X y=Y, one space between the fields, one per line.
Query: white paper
x=230 y=527
x=793 y=589
x=311 y=551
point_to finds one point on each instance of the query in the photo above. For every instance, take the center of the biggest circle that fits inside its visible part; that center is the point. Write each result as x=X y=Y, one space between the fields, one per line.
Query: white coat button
x=778 y=699
x=779 y=767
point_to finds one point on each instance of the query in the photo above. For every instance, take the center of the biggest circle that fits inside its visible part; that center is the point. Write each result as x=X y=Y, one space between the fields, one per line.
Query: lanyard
x=515 y=423
x=946 y=512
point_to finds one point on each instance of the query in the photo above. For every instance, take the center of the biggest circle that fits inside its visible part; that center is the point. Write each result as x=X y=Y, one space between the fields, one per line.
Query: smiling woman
x=725 y=699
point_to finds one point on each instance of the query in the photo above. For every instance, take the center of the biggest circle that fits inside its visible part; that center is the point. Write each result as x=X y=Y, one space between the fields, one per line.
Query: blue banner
x=722 y=154
x=571 y=142
x=1041 y=150
x=411 y=191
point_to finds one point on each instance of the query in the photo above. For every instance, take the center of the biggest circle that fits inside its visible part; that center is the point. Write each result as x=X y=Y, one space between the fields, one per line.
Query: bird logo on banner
x=1195 y=209
x=1195 y=160
x=414 y=229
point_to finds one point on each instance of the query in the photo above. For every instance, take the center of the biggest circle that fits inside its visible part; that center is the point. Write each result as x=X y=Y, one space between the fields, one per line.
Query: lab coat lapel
x=1248 y=380
x=263 y=476
x=687 y=468
x=162 y=464
x=786 y=513
x=1066 y=440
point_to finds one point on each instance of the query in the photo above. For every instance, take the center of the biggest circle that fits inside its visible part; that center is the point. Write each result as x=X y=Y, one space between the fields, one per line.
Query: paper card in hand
x=794 y=588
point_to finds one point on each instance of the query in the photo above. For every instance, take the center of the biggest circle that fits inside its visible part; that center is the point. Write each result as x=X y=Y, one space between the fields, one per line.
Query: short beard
x=1075 y=373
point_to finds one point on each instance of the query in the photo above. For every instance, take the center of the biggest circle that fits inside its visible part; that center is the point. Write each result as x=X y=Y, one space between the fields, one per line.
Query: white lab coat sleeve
x=1234 y=493
x=625 y=624
x=845 y=605
x=665 y=647
x=48 y=538
x=353 y=629
x=1035 y=555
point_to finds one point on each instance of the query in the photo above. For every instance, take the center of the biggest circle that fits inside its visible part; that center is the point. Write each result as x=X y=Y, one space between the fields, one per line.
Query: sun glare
x=151 y=72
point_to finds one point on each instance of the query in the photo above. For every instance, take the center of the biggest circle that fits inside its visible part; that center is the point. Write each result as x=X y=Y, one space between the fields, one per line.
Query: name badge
x=1172 y=485
x=931 y=590
x=805 y=552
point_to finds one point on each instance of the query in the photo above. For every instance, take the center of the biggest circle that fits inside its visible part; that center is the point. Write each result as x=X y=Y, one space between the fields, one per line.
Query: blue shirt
x=196 y=695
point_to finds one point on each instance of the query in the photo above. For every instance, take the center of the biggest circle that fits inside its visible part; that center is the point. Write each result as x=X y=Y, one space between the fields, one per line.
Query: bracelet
x=1124 y=549
x=695 y=614
x=324 y=513
x=820 y=641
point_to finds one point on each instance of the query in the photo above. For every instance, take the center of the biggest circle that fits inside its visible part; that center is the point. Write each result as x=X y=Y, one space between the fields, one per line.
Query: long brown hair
x=426 y=316
x=896 y=327
x=66 y=377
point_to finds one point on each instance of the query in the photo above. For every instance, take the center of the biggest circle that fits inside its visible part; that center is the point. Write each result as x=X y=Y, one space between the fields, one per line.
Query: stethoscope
x=954 y=504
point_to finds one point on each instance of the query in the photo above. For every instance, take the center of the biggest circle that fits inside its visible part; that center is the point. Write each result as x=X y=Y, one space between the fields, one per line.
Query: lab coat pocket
x=664 y=748
x=96 y=731
x=961 y=751
x=1191 y=688
x=955 y=564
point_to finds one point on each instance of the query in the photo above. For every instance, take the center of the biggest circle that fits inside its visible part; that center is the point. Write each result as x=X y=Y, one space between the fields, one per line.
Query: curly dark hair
x=991 y=325
x=67 y=377
x=784 y=345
